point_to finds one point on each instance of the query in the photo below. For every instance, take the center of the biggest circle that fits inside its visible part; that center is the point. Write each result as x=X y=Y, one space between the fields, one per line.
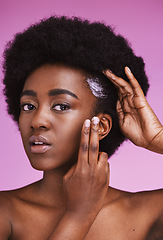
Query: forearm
x=72 y=227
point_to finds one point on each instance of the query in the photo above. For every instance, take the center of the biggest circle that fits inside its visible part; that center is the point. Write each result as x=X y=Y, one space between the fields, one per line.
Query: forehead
x=49 y=77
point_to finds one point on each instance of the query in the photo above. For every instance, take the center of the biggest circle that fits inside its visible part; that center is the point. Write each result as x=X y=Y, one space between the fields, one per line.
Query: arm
x=85 y=185
x=137 y=120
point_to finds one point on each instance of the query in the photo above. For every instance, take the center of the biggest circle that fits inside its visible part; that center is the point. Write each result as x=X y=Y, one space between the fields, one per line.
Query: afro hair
x=92 y=47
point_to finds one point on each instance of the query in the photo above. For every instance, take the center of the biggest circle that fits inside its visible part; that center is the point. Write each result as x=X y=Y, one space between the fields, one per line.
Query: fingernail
x=95 y=120
x=108 y=71
x=128 y=69
x=87 y=123
x=110 y=74
x=103 y=118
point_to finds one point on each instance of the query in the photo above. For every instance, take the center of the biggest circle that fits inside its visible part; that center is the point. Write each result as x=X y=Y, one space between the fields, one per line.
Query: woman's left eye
x=61 y=107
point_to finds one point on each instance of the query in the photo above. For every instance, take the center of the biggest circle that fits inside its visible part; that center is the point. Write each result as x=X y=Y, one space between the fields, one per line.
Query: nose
x=41 y=119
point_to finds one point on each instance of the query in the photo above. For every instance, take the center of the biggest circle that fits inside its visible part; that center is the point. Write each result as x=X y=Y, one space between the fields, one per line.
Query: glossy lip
x=40 y=148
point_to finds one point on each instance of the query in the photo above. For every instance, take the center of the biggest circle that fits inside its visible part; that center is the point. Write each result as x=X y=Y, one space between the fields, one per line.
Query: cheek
x=23 y=128
x=22 y=122
x=74 y=132
x=70 y=135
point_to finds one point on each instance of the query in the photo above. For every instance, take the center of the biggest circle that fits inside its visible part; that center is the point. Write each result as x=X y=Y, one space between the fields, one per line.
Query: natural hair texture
x=106 y=103
x=92 y=47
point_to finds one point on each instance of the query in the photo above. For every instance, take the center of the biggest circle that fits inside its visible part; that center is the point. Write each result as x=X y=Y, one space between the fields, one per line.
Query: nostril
x=38 y=127
x=41 y=120
x=42 y=127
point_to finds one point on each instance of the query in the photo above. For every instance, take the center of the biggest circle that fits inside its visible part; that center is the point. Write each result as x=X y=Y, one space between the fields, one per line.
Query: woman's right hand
x=87 y=182
x=137 y=120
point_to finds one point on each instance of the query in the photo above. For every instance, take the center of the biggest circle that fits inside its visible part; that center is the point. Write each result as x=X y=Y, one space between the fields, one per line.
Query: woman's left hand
x=137 y=120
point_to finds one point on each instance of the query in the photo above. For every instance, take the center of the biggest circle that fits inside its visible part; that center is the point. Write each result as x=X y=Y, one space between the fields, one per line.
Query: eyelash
x=63 y=107
x=27 y=104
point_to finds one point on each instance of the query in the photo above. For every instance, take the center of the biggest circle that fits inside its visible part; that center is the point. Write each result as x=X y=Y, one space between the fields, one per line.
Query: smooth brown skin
x=73 y=200
x=136 y=114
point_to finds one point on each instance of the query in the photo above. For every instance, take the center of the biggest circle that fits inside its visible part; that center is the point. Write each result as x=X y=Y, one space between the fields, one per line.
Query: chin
x=48 y=164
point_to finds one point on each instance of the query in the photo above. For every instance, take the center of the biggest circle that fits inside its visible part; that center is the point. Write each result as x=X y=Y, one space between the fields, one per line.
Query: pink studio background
x=141 y=22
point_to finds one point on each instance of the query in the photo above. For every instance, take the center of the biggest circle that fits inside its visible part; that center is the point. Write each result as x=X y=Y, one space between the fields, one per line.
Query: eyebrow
x=59 y=91
x=28 y=93
x=52 y=92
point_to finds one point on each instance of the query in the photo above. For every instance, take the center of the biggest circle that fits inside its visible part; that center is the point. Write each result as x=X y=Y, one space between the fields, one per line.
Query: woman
x=69 y=126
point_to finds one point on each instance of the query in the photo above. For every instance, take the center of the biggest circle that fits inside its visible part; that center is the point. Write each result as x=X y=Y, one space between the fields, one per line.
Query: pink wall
x=141 y=22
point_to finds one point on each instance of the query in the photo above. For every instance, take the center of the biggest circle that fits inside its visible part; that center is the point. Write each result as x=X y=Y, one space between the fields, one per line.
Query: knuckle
x=93 y=177
x=102 y=180
x=104 y=177
x=86 y=131
x=81 y=172
x=84 y=147
x=98 y=178
x=65 y=178
x=93 y=148
x=94 y=129
x=104 y=155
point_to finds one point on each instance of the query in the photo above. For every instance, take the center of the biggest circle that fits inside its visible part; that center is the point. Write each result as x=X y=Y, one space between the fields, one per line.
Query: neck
x=52 y=186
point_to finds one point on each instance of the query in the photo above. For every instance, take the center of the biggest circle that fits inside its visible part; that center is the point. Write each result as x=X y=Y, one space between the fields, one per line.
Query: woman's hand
x=87 y=182
x=137 y=120
x=86 y=185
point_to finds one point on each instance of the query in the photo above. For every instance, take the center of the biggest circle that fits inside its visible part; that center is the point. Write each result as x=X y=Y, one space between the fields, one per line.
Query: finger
x=134 y=83
x=84 y=144
x=94 y=141
x=103 y=164
x=120 y=83
x=139 y=97
x=125 y=91
x=120 y=113
x=103 y=159
x=127 y=101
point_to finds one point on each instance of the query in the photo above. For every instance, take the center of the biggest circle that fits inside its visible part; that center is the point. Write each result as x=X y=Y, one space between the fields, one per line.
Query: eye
x=61 y=107
x=27 y=107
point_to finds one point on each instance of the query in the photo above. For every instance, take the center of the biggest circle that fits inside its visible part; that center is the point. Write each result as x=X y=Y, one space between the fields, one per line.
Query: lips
x=39 y=144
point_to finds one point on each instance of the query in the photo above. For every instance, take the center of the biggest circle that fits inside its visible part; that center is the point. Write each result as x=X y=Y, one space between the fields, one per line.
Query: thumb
x=120 y=113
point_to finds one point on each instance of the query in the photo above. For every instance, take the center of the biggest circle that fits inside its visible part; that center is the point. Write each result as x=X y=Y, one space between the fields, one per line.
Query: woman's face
x=55 y=101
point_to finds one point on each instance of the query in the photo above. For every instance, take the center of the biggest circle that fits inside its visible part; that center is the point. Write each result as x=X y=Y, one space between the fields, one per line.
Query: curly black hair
x=92 y=47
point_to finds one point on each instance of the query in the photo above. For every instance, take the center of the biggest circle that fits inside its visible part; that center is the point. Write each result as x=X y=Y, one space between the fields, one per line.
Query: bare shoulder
x=5 y=214
x=149 y=206
x=143 y=200
x=152 y=203
x=137 y=215
x=9 y=203
x=152 y=200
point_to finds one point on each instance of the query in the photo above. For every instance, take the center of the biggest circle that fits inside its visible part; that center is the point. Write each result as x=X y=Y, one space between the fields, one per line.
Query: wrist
x=72 y=226
x=156 y=144
x=80 y=217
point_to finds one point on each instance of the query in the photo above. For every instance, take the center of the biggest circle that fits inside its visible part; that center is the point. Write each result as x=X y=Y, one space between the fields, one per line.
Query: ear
x=105 y=125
